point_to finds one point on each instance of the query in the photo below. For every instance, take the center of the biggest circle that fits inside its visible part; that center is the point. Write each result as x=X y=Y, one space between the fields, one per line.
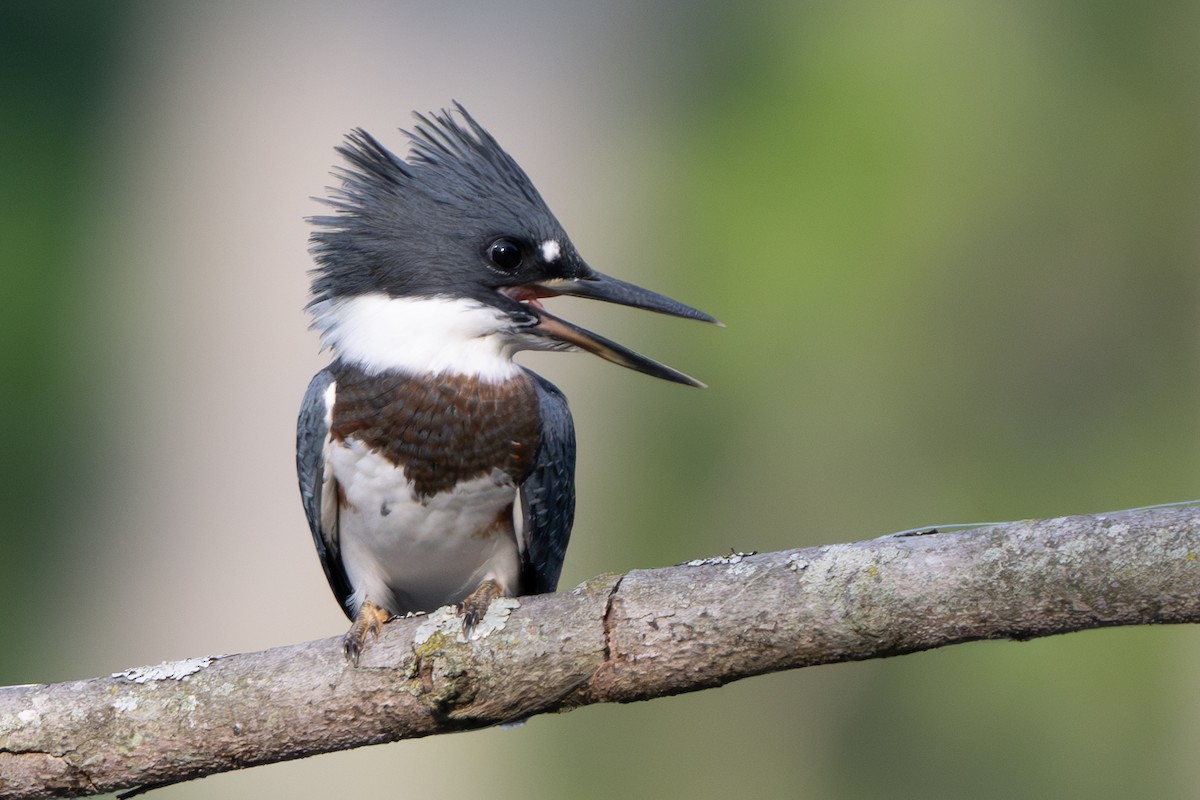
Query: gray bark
x=617 y=638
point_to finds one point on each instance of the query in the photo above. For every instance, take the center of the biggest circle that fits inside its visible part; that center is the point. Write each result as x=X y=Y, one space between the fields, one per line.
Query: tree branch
x=645 y=634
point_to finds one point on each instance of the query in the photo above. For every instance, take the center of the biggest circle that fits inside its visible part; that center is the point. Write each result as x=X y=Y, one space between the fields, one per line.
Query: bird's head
x=440 y=262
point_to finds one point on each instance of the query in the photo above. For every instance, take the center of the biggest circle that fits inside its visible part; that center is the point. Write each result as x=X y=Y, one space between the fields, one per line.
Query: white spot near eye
x=550 y=251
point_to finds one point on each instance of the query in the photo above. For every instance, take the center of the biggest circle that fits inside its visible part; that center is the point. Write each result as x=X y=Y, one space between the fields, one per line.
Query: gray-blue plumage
x=548 y=494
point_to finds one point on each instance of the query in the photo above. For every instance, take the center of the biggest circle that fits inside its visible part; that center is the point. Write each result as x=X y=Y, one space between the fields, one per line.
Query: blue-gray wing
x=318 y=488
x=548 y=494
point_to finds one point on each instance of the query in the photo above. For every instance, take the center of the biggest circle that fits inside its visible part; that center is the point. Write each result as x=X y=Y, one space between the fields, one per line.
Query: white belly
x=407 y=553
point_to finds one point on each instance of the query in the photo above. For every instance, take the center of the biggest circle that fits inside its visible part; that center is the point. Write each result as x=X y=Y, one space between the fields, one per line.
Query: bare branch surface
x=617 y=638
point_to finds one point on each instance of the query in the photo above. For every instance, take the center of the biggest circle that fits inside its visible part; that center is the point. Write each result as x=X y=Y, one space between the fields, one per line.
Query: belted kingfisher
x=433 y=469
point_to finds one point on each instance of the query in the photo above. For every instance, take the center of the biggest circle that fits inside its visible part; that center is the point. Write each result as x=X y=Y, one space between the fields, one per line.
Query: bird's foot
x=370 y=620
x=476 y=604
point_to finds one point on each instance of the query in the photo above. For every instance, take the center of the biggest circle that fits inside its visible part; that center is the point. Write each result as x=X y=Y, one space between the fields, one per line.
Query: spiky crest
x=456 y=180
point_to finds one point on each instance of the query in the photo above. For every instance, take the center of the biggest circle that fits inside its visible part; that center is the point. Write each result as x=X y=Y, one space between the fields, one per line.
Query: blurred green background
x=955 y=245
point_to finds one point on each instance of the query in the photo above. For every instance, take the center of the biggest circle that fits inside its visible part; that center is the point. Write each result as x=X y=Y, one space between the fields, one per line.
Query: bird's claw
x=370 y=620
x=475 y=605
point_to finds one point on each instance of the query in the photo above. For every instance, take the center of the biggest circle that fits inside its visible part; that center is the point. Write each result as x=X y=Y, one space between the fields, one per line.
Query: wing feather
x=548 y=494
x=318 y=487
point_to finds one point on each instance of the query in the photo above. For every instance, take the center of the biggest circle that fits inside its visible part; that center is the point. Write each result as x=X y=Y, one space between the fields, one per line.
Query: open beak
x=610 y=290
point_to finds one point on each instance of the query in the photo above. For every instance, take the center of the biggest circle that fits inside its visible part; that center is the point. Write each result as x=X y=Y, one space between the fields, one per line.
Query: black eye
x=505 y=254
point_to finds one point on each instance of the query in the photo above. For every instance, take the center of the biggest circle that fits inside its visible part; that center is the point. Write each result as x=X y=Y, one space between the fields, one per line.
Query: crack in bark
x=607 y=621
x=31 y=765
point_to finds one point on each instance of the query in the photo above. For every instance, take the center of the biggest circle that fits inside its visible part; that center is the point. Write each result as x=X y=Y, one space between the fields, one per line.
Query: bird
x=434 y=470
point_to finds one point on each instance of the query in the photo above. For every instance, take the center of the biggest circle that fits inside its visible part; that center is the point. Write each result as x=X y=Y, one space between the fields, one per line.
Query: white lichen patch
x=496 y=617
x=795 y=563
x=22 y=719
x=189 y=706
x=444 y=621
x=447 y=622
x=123 y=704
x=1117 y=530
x=167 y=671
x=740 y=568
x=733 y=558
